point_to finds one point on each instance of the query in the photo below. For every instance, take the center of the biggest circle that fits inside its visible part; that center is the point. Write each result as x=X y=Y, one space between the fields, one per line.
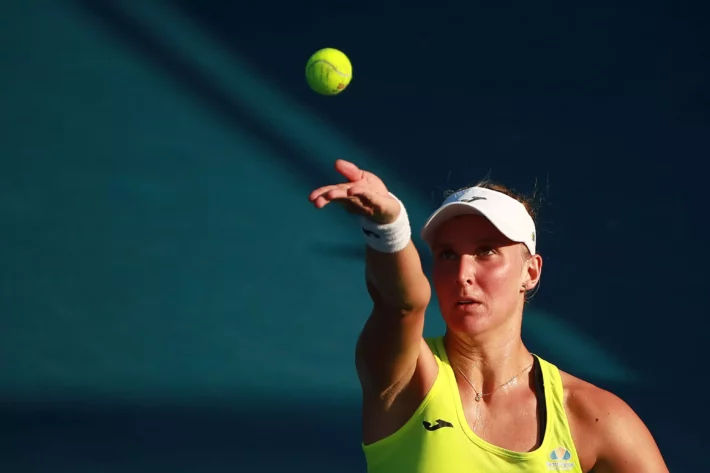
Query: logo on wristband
x=370 y=233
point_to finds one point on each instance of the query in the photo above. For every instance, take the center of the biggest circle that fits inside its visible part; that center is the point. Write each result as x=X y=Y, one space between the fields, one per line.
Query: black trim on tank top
x=541 y=401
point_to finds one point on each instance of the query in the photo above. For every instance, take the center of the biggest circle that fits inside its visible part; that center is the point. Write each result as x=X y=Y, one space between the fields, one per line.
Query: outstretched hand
x=363 y=194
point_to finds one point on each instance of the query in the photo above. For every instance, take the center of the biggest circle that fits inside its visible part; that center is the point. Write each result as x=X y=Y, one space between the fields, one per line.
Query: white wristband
x=389 y=237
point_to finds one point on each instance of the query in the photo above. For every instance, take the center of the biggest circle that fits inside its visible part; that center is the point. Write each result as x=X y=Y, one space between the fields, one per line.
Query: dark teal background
x=171 y=302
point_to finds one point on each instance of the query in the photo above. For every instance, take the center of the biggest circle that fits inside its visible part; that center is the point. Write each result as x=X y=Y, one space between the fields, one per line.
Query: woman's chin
x=469 y=320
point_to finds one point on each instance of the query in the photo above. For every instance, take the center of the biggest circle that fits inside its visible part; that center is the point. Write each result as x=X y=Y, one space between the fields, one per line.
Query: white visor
x=505 y=213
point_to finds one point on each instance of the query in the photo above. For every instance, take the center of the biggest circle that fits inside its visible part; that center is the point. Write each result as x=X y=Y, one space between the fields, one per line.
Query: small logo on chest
x=560 y=460
x=439 y=424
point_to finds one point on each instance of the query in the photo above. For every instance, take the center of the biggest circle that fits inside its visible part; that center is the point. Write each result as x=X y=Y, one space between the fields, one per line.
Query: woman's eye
x=486 y=252
x=446 y=254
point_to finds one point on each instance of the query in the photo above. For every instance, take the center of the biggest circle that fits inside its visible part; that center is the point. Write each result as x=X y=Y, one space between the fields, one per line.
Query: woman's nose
x=467 y=271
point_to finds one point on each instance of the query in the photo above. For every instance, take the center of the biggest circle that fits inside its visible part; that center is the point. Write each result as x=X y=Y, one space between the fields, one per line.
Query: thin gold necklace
x=480 y=395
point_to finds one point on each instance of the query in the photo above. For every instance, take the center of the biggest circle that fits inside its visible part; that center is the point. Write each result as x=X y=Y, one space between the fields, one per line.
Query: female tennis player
x=475 y=399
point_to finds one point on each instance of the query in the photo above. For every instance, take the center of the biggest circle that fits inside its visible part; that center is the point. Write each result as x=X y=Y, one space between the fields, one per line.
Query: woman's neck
x=489 y=363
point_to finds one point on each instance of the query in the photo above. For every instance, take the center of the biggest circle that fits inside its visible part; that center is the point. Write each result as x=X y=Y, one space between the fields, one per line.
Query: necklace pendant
x=478 y=397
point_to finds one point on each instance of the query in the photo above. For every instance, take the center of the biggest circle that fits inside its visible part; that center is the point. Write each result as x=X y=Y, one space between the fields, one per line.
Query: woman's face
x=480 y=276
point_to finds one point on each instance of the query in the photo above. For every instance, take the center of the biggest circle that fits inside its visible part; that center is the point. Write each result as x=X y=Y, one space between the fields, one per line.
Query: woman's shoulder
x=603 y=422
x=589 y=403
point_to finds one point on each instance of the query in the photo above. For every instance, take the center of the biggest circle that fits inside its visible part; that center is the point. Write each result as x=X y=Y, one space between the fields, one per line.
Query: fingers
x=352 y=194
x=321 y=190
x=348 y=170
x=324 y=195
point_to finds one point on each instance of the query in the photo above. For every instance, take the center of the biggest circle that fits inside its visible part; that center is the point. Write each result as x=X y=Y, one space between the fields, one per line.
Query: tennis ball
x=328 y=71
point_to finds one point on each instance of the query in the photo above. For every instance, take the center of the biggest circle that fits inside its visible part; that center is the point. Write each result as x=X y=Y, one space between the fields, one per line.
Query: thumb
x=351 y=172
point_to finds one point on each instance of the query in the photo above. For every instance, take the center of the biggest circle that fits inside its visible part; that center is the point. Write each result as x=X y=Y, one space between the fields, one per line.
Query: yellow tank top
x=438 y=439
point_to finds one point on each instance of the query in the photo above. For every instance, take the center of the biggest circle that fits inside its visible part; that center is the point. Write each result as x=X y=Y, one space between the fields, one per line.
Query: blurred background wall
x=170 y=302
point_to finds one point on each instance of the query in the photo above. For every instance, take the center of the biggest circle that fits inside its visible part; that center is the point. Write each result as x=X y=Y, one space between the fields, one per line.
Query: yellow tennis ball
x=328 y=71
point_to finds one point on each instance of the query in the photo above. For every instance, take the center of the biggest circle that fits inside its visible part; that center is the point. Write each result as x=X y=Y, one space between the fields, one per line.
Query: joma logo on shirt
x=439 y=424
